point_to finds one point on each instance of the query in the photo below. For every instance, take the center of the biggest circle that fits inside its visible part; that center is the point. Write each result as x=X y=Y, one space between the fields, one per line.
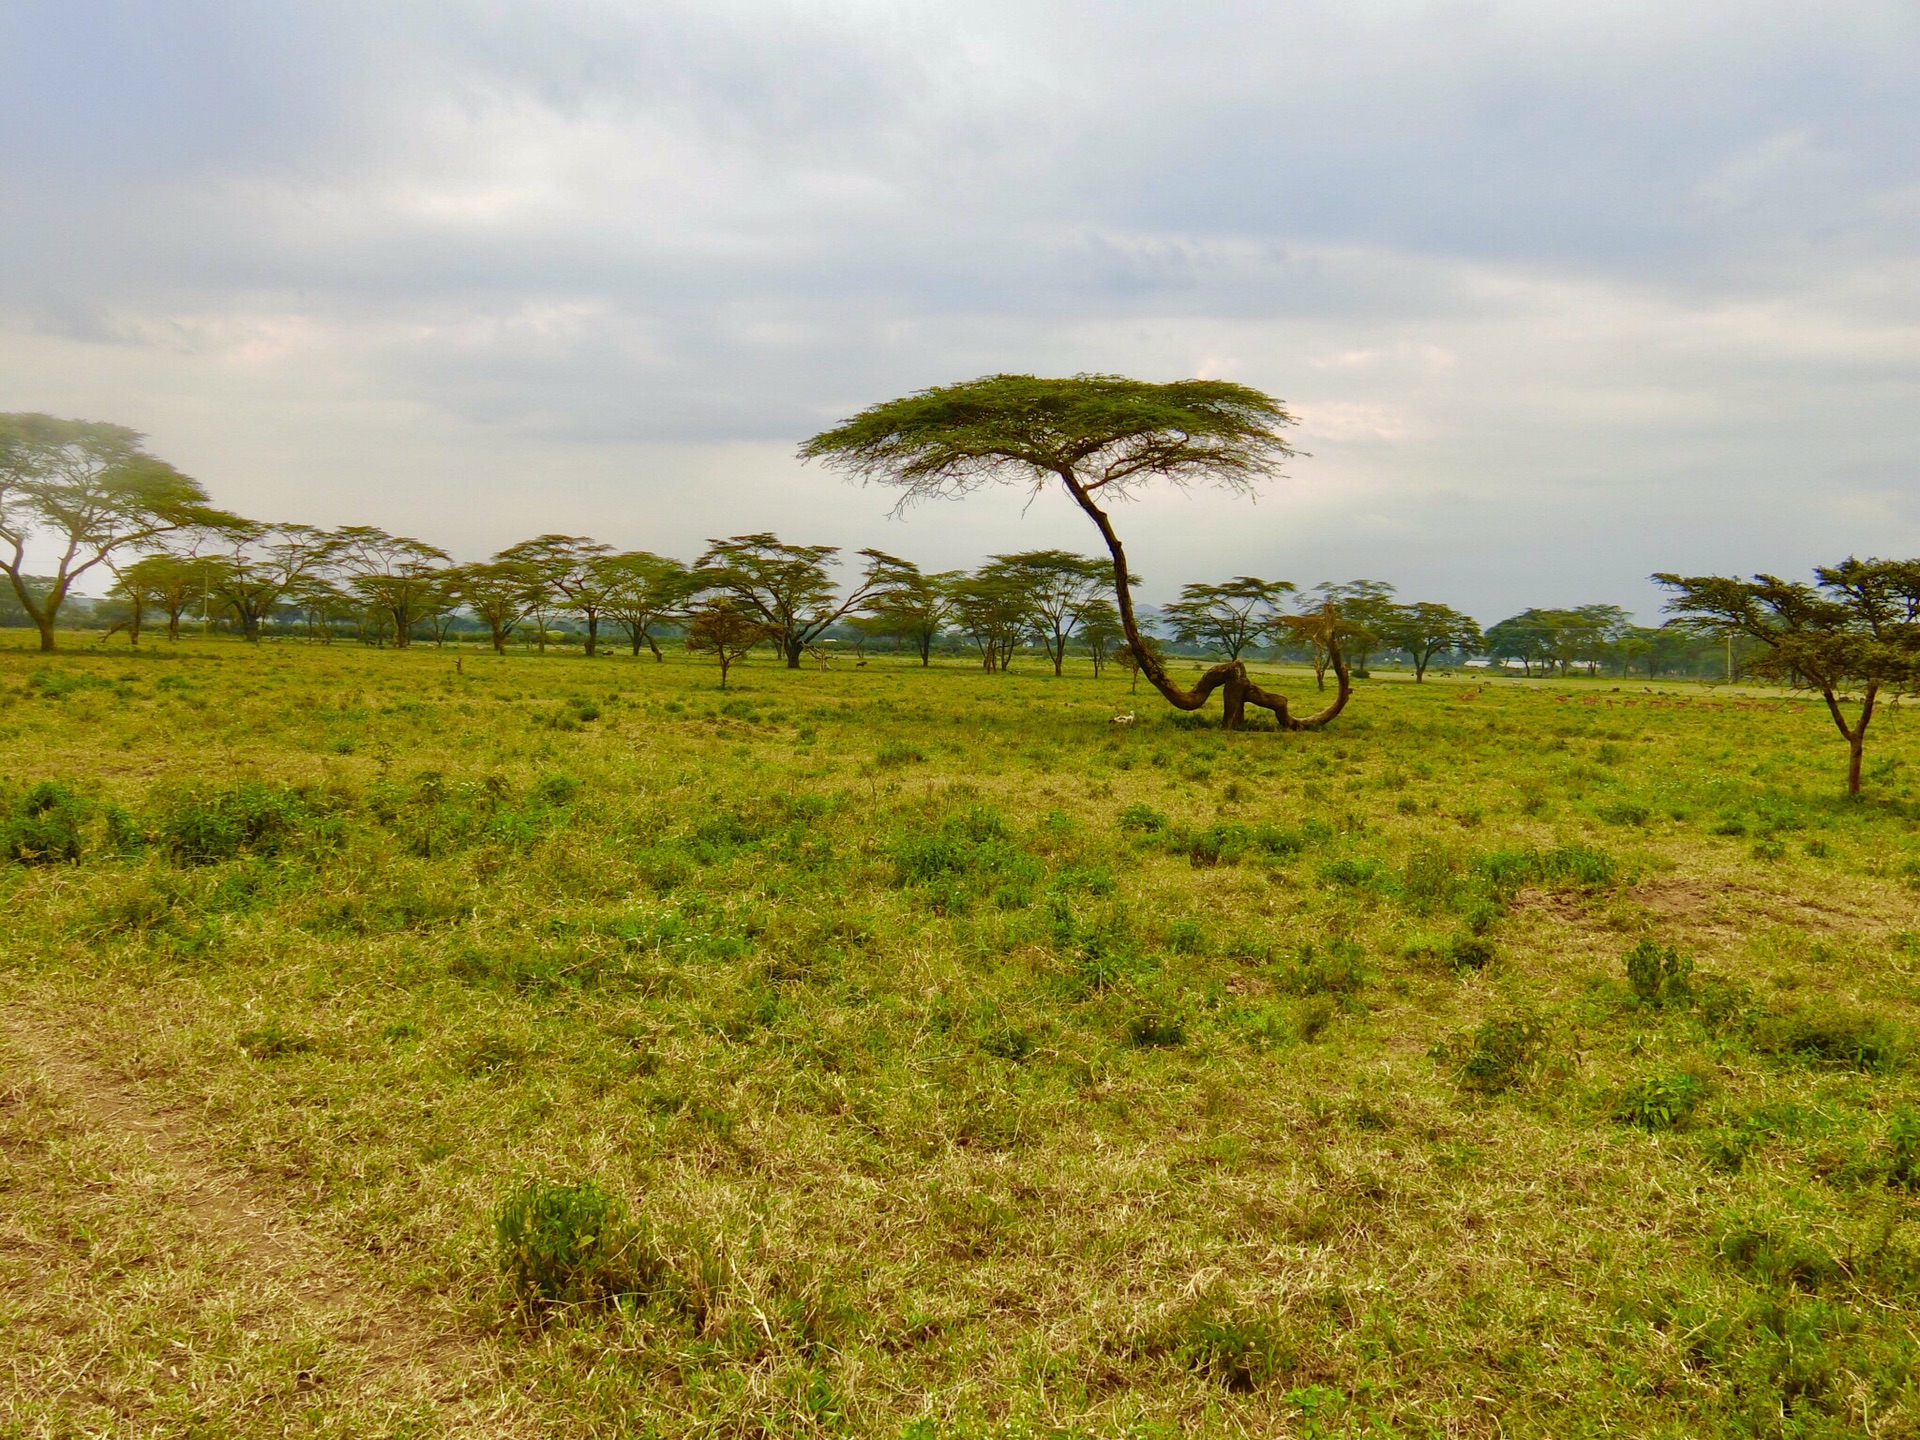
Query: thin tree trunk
x=1231 y=677
x=1855 y=734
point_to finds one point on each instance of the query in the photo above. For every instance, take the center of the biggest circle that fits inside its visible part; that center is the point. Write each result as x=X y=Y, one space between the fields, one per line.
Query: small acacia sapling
x=719 y=629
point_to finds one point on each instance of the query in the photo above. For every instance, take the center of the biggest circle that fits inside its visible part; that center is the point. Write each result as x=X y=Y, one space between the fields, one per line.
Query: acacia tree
x=785 y=587
x=321 y=603
x=498 y=592
x=995 y=609
x=1227 y=617
x=1100 y=632
x=399 y=579
x=908 y=604
x=569 y=567
x=1424 y=630
x=98 y=494
x=644 y=590
x=720 y=627
x=1102 y=438
x=163 y=581
x=1059 y=586
x=1857 y=627
x=264 y=565
x=1323 y=634
x=1526 y=637
x=1365 y=606
x=129 y=587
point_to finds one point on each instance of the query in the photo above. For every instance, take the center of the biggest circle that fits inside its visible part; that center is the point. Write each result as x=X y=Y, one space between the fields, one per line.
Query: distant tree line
x=102 y=504
x=90 y=495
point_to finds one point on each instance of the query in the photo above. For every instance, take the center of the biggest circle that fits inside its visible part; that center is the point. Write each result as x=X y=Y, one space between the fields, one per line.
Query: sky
x=1561 y=293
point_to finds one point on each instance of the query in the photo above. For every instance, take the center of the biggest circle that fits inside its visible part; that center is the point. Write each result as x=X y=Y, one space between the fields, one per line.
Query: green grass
x=894 y=1052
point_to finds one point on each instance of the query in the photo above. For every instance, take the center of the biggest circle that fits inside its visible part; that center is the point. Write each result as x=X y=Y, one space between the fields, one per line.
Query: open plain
x=924 y=1054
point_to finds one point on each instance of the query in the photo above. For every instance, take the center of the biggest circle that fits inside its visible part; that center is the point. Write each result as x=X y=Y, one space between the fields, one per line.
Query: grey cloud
x=1525 y=267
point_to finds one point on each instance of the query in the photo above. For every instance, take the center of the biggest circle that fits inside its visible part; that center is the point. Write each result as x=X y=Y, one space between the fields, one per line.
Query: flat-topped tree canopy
x=1102 y=437
x=1106 y=433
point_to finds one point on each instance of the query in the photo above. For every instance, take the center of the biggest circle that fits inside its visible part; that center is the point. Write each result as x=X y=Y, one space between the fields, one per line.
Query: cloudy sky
x=1562 y=292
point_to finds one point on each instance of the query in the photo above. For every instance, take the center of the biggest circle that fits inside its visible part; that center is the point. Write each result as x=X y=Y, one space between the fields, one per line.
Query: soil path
x=398 y=1348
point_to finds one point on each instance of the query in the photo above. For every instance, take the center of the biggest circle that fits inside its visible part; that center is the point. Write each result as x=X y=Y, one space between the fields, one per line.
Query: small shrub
x=44 y=826
x=1769 y=848
x=1143 y=818
x=1009 y=1042
x=1186 y=937
x=1497 y=1057
x=1658 y=974
x=1624 y=812
x=1337 y=969
x=1469 y=952
x=1352 y=871
x=56 y=684
x=1232 y=1348
x=1429 y=878
x=1827 y=1033
x=1312 y=1017
x=556 y=790
x=898 y=752
x=204 y=827
x=1765 y=1252
x=1505 y=872
x=567 y=1245
x=1661 y=1102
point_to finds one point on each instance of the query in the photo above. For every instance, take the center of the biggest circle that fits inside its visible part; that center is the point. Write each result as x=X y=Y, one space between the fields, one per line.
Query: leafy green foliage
x=44 y=826
x=566 y=1245
x=205 y=826
x=1829 y=1033
x=1499 y=1056
x=1659 y=974
x=1337 y=967
x=1660 y=1102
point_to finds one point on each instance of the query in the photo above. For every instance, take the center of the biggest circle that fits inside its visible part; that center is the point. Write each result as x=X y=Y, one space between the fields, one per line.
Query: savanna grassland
x=553 y=1046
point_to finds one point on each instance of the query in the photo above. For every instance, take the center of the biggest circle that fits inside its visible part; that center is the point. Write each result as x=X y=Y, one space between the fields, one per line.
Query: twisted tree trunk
x=1238 y=690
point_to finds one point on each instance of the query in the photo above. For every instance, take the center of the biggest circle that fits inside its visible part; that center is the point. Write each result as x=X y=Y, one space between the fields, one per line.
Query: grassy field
x=551 y=1046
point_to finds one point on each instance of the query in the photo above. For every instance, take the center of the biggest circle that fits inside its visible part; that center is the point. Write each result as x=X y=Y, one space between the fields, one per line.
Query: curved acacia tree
x=1103 y=437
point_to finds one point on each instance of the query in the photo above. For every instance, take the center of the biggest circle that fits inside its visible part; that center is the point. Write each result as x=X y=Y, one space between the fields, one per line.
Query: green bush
x=1156 y=1029
x=1228 y=843
x=1828 y=1033
x=967 y=855
x=1497 y=1057
x=204 y=827
x=1469 y=952
x=55 y=684
x=43 y=827
x=569 y=1245
x=1660 y=1102
x=1238 y=1350
x=1337 y=969
x=1506 y=872
x=1143 y=818
x=1658 y=974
